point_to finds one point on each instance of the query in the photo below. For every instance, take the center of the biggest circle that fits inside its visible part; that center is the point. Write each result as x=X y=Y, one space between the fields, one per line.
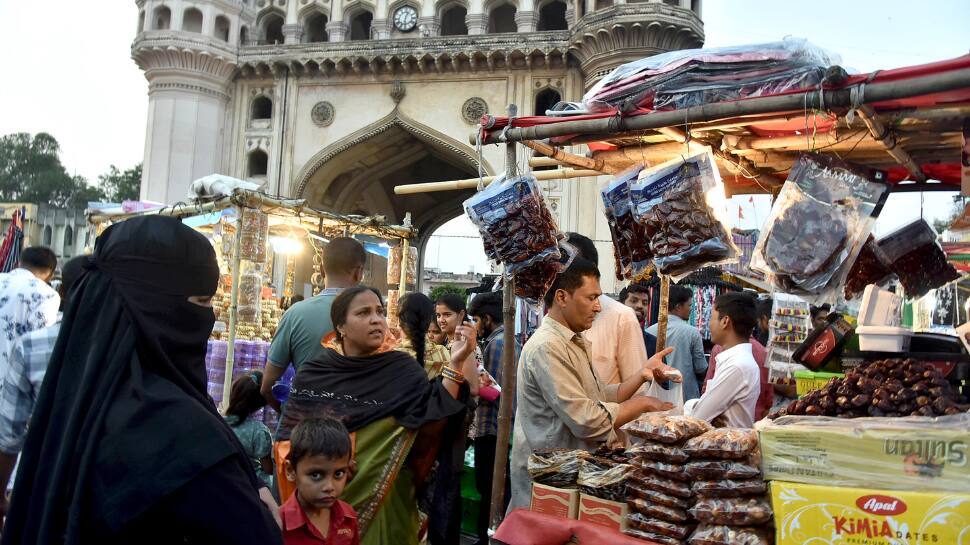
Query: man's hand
x=267 y=498
x=652 y=405
x=656 y=370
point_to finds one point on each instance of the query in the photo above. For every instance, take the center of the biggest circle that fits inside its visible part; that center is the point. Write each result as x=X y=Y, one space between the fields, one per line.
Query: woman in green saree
x=385 y=399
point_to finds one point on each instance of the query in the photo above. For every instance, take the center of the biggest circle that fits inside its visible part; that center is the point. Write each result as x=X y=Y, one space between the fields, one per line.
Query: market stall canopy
x=906 y=121
x=289 y=212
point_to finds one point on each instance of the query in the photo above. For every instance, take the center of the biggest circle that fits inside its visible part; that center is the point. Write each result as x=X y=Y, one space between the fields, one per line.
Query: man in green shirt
x=306 y=323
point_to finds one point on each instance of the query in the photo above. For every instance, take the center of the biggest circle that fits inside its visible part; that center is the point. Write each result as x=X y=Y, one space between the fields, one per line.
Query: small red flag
x=740 y=213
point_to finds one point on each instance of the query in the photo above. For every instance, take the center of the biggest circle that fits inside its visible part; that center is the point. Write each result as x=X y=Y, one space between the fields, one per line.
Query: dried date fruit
x=658 y=451
x=652 y=537
x=723 y=443
x=666 y=428
x=722 y=469
x=661 y=469
x=635 y=490
x=631 y=246
x=660 y=484
x=728 y=488
x=653 y=510
x=707 y=534
x=732 y=511
x=867 y=269
x=647 y=524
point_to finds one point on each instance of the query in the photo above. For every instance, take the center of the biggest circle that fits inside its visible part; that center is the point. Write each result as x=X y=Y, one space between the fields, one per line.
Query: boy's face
x=319 y=480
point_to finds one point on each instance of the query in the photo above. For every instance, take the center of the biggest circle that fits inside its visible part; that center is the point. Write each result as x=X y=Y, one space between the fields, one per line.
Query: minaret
x=188 y=53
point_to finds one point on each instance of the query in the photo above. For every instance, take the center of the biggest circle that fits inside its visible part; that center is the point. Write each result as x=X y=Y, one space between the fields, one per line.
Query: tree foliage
x=119 y=185
x=446 y=288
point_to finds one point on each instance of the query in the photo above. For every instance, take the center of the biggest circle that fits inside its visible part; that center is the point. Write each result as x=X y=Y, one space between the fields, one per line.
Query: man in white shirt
x=616 y=338
x=27 y=303
x=733 y=392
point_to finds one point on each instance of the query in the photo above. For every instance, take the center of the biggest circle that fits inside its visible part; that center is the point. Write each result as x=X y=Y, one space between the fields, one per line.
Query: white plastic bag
x=674 y=396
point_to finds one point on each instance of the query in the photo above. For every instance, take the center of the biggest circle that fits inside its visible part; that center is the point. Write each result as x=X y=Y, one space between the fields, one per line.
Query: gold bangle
x=453 y=375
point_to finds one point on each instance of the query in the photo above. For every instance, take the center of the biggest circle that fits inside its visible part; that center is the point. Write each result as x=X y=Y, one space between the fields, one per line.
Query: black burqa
x=123 y=418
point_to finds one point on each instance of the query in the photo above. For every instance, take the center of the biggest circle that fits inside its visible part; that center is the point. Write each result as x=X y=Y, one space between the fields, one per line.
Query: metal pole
x=662 y=317
x=233 y=308
x=497 y=512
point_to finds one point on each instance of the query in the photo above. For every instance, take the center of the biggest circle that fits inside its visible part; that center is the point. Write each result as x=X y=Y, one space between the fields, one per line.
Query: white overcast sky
x=68 y=71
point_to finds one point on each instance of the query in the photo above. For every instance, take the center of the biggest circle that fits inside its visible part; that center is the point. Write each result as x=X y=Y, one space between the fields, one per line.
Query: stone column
x=429 y=26
x=337 y=31
x=477 y=23
x=526 y=21
x=292 y=34
x=380 y=29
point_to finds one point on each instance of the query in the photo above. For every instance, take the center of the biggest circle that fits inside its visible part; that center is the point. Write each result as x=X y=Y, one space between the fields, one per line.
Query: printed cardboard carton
x=611 y=514
x=558 y=502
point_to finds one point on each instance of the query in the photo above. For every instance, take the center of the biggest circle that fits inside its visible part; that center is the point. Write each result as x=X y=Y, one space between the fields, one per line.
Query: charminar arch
x=338 y=101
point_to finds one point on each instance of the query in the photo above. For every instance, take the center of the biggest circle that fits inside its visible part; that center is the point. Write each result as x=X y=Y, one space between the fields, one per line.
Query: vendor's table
x=524 y=527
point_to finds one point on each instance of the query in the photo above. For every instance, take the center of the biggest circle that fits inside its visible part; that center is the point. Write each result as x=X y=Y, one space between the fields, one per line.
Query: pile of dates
x=883 y=388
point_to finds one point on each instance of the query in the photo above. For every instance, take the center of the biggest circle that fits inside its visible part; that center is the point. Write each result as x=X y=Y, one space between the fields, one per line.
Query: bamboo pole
x=664 y=312
x=836 y=98
x=888 y=141
x=500 y=469
x=535 y=162
x=233 y=312
x=405 y=246
x=471 y=183
x=569 y=158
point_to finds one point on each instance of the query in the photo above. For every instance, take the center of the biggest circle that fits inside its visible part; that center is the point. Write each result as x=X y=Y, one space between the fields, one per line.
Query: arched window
x=453 y=21
x=262 y=107
x=243 y=36
x=546 y=99
x=603 y=4
x=161 y=18
x=258 y=162
x=68 y=241
x=192 y=21
x=315 y=28
x=273 y=29
x=552 y=16
x=502 y=19
x=360 y=26
x=222 y=28
x=48 y=236
x=141 y=21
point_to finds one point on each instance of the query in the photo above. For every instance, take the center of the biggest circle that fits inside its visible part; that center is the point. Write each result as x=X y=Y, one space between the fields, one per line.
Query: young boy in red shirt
x=318 y=465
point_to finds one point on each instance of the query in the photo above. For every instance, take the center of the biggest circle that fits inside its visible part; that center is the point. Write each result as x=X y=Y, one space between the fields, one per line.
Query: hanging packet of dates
x=818 y=226
x=518 y=230
x=680 y=205
x=631 y=249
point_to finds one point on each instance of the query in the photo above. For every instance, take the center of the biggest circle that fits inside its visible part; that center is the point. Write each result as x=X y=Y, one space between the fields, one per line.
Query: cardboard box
x=557 y=502
x=899 y=454
x=807 y=514
x=611 y=514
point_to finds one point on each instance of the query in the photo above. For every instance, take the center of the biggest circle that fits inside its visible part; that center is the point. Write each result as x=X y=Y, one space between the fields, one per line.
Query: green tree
x=942 y=224
x=31 y=171
x=120 y=185
x=446 y=288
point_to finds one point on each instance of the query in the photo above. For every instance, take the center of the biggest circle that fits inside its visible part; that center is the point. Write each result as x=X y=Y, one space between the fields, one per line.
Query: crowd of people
x=105 y=402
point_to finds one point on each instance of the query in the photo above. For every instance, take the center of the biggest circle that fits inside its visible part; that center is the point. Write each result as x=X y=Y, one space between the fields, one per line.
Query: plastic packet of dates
x=728 y=488
x=867 y=269
x=635 y=490
x=656 y=526
x=915 y=255
x=662 y=469
x=639 y=480
x=666 y=428
x=661 y=452
x=681 y=206
x=533 y=281
x=653 y=510
x=516 y=226
x=708 y=534
x=732 y=511
x=556 y=466
x=603 y=478
x=652 y=537
x=631 y=248
x=731 y=443
x=818 y=225
x=723 y=469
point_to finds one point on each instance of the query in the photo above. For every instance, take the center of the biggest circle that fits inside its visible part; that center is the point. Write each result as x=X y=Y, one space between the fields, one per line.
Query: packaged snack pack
x=631 y=248
x=709 y=534
x=603 y=478
x=666 y=428
x=818 y=225
x=915 y=255
x=731 y=443
x=728 y=488
x=680 y=204
x=653 y=510
x=732 y=511
x=660 y=452
x=555 y=467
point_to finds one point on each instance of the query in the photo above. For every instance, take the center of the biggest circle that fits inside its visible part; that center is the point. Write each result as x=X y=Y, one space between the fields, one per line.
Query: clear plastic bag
x=867 y=269
x=732 y=511
x=818 y=225
x=515 y=224
x=728 y=488
x=631 y=248
x=659 y=452
x=731 y=443
x=662 y=469
x=722 y=469
x=680 y=205
x=603 y=478
x=915 y=255
x=248 y=309
x=255 y=235
x=659 y=484
x=635 y=490
x=666 y=428
x=707 y=534
x=556 y=467
x=533 y=281
x=652 y=537
x=653 y=510
x=656 y=526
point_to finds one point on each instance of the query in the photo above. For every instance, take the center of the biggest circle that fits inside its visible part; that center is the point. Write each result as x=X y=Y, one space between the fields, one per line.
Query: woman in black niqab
x=125 y=445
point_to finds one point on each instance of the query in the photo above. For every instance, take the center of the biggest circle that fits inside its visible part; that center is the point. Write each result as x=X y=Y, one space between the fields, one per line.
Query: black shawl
x=361 y=390
x=123 y=418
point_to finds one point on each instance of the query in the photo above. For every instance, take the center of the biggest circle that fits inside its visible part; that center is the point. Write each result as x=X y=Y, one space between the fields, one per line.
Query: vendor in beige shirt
x=561 y=404
x=616 y=335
